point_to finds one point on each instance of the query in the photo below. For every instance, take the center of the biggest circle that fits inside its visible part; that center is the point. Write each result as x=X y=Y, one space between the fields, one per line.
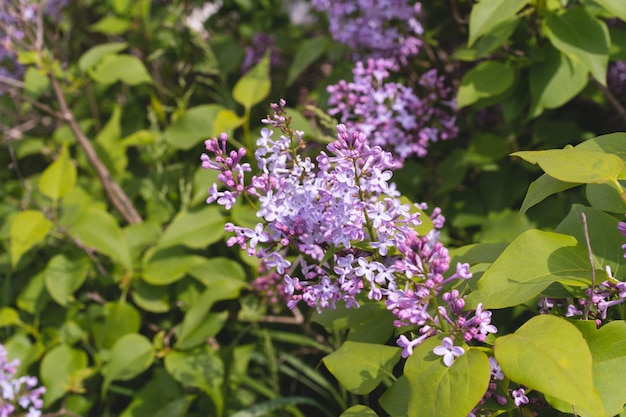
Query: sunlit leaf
x=28 y=228
x=550 y=355
x=131 y=355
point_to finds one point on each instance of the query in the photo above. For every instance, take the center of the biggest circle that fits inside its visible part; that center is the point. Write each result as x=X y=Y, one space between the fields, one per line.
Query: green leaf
x=487 y=79
x=487 y=14
x=549 y=354
x=308 y=51
x=262 y=409
x=168 y=266
x=198 y=324
x=195 y=230
x=617 y=7
x=36 y=82
x=108 y=143
x=128 y=69
x=155 y=395
x=64 y=275
x=370 y=323
x=555 y=81
x=57 y=369
x=606 y=240
x=395 y=400
x=226 y=121
x=111 y=25
x=155 y=299
x=33 y=298
x=439 y=391
x=90 y=58
x=359 y=411
x=360 y=367
x=212 y=271
x=131 y=355
x=60 y=177
x=605 y=197
x=255 y=85
x=576 y=165
x=608 y=351
x=582 y=37
x=200 y=368
x=542 y=188
x=111 y=322
x=9 y=317
x=193 y=126
x=488 y=42
x=28 y=228
x=532 y=262
x=99 y=230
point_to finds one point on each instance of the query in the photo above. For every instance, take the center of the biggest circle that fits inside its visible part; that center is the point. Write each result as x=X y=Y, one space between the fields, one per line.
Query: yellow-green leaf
x=28 y=228
x=59 y=177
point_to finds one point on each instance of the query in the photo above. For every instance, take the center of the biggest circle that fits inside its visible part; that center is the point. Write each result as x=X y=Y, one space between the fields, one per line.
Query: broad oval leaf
x=395 y=400
x=168 y=266
x=60 y=177
x=64 y=275
x=120 y=67
x=57 y=369
x=533 y=261
x=608 y=351
x=487 y=79
x=582 y=37
x=604 y=236
x=193 y=126
x=550 y=355
x=488 y=14
x=617 y=7
x=308 y=51
x=255 y=85
x=359 y=411
x=360 y=367
x=95 y=54
x=440 y=391
x=576 y=165
x=131 y=355
x=28 y=228
x=195 y=230
x=112 y=321
x=555 y=81
x=96 y=228
x=201 y=368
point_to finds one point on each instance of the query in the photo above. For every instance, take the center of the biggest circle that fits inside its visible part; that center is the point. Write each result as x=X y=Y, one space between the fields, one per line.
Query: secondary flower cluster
x=375 y=28
x=390 y=114
x=17 y=19
x=335 y=227
x=18 y=395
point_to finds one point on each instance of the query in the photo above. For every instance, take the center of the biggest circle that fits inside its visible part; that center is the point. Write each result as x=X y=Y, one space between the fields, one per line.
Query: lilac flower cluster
x=390 y=114
x=608 y=294
x=271 y=288
x=260 y=44
x=375 y=28
x=335 y=227
x=17 y=26
x=621 y=226
x=616 y=77
x=18 y=396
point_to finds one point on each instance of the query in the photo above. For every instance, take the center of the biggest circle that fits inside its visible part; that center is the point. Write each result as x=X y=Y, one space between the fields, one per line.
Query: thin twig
x=114 y=192
x=621 y=111
x=593 y=266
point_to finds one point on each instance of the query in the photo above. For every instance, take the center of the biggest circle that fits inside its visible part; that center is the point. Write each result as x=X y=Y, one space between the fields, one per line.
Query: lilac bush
x=391 y=114
x=18 y=396
x=334 y=227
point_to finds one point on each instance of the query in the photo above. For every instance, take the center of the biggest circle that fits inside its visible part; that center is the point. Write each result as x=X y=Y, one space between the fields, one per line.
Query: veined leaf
x=255 y=85
x=487 y=14
x=550 y=355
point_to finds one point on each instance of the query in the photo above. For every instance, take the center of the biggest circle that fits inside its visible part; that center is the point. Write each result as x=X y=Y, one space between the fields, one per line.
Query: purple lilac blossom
x=621 y=226
x=448 y=350
x=519 y=397
x=608 y=294
x=18 y=394
x=17 y=21
x=375 y=28
x=616 y=77
x=260 y=44
x=342 y=217
x=390 y=114
x=496 y=375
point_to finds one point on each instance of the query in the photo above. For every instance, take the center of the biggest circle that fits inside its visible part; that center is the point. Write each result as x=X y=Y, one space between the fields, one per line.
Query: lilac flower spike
x=448 y=351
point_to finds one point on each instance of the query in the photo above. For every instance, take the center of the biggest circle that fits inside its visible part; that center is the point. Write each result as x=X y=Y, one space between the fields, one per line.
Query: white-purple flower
x=448 y=350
